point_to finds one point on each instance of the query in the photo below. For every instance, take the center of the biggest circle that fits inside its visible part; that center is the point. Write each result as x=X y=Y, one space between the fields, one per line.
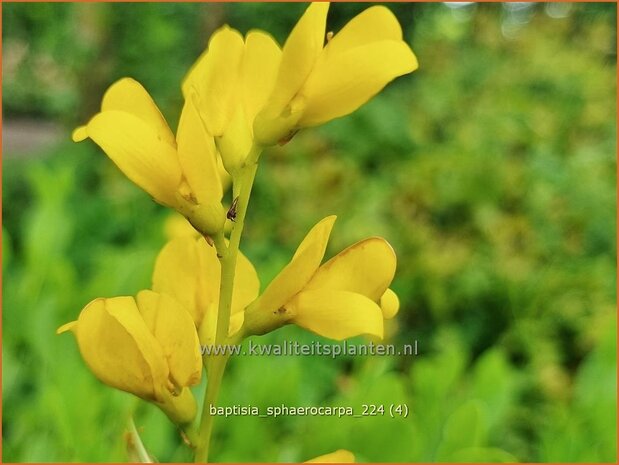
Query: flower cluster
x=347 y=296
x=242 y=95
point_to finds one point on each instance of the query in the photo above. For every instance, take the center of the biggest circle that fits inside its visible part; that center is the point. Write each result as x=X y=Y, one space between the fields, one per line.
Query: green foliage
x=491 y=170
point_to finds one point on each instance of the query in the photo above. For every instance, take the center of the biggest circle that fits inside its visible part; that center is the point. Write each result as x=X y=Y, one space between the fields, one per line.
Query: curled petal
x=366 y=268
x=129 y=96
x=79 y=134
x=371 y=25
x=342 y=82
x=137 y=150
x=336 y=314
x=299 y=271
x=389 y=304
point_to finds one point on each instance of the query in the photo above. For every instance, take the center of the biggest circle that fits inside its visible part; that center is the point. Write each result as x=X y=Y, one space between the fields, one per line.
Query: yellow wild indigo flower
x=180 y=172
x=389 y=304
x=177 y=225
x=347 y=296
x=316 y=82
x=339 y=456
x=188 y=269
x=230 y=83
x=147 y=346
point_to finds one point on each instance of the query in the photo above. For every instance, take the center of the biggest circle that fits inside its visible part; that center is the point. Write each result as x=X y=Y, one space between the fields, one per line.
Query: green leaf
x=465 y=428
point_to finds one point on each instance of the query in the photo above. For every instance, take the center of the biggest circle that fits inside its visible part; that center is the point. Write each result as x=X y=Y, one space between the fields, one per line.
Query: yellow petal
x=79 y=134
x=120 y=350
x=209 y=275
x=259 y=71
x=181 y=409
x=185 y=270
x=336 y=314
x=236 y=323
x=371 y=25
x=273 y=126
x=188 y=269
x=129 y=96
x=259 y=67
x=236 y=142
x=175 y=331
x=198 y=157
x=246 y=285
x=226 y=179
x=213 y=79
x=366 y=267
x=343 y=82
x=176 y=273
x=176 y=225
x=135 y=148
x=67 y=327
x=339 y=456
x=300 y=53
x=277 y=121
x=208 y=327
x=389 y=304
x=299 y=271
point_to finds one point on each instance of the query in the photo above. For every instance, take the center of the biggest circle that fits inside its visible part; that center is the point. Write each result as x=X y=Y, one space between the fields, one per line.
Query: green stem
x=228 y=259
x=215 y=376
x=227 y=255
x=137 y=444
x=189 y=433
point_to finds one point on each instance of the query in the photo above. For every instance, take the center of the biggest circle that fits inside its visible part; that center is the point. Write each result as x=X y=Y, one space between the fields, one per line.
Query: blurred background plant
x=491 y=170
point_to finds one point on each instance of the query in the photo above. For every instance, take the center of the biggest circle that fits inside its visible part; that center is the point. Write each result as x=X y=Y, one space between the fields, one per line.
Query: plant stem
x=215 y=376
x=189 y=434
x=137 y=444
x=216 y=366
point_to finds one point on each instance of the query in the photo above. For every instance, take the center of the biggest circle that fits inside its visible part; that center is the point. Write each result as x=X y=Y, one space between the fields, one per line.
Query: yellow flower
x=146 y=346
x=180 y=172
x=340 y=299
x=230 y=83
x=176 y=225
x=339 y=456
x=316 y=83
x=188 y=269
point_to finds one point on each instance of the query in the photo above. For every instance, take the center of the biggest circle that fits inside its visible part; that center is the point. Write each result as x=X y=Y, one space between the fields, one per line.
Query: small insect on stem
x=231 y=215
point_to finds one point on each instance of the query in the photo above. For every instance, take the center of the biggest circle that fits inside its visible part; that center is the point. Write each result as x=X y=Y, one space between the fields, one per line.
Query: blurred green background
x=491 y=170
